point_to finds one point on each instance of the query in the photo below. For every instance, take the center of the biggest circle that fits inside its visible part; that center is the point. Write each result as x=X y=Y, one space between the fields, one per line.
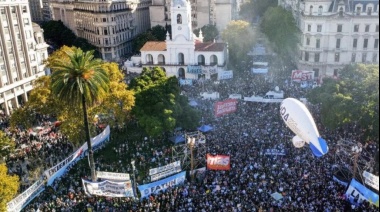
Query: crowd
x=305 y=182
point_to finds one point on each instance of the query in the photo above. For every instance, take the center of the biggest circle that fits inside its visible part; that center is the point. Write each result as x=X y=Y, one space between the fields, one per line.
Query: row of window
x=317 y=57
x=356 y=28
x=339 y=41
x=358 y=9
x=181 y=59
x=13 y=10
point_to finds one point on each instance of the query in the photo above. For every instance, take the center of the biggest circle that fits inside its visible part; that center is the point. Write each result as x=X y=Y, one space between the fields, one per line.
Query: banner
x=225 y=75
x=23 y=199
x=59 y=169
x=113 y=176
x=371 y=180
x=186 y=82
x=209 y=69
x=164 y=171
x=357 y=193
x=274 y=152
x=108 y=188
x=218 y=162
x=299 y=76
x=226 y=107
x=194 y=69
x=162 y=185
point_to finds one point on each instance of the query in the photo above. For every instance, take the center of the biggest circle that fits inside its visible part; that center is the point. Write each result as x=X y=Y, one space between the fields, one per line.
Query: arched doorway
x=161 y=59
x=149 y=59
x=201 y=60
x=181 y=59
x=213 y=60
x=181 y=73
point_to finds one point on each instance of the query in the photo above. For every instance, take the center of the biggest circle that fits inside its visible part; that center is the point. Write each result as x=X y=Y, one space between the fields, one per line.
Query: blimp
x=299 y=119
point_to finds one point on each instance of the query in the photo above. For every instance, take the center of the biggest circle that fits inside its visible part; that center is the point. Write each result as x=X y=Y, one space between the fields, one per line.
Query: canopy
x=177 y=139
x=205 y=128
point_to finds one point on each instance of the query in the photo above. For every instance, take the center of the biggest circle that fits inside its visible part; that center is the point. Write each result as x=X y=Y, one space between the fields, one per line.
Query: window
x=318 y=43
x=336 y=71
x=309 y=28
x=320 y=10
x=311 y=10
x=13 y=10
x=365 y=44
x=376 y=45
x=307 y=41
x=2 y=11
x=377 y=28
x=374 y=58
x=317 y=57
x=316 y=72
x=341 y=12
x=339 y=28
x=338 y=43
x=353 y=57
x=356 y=28
x=366 y=28
x=337 y=57
x=306 y=56
x=358 y=10
x=26 y=21
x=24 y=9
x=319 y=28
x=355 y=44
x=369 y=11
x=179 y=19
x=364 y=57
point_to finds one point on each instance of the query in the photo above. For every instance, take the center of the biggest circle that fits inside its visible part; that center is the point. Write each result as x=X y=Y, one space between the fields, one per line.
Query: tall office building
x=335 y=33
x=22 y=52
x=110 y=25
x=36 y=7
x=203 y=12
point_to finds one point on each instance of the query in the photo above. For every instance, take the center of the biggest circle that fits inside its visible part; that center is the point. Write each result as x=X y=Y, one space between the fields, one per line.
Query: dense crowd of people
x=304 y=181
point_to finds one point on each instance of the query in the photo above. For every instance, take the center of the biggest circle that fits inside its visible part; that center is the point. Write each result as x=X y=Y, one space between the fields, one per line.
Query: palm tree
x=80 y=80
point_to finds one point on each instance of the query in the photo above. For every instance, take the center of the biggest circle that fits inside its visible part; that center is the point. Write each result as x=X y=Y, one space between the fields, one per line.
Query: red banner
x=225 y=107
x=218 y=162
x=299 y=76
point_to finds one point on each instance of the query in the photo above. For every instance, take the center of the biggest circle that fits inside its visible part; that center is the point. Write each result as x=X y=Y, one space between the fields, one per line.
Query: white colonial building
x=336 y=33
x=22 y=53
x=185 y=55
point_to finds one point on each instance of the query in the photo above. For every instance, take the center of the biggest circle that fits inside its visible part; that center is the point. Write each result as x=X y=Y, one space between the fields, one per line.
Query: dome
x=181 y=3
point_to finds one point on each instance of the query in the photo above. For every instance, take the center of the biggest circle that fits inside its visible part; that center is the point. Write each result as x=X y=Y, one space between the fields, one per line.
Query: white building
x=110 y=25
x=185 y=55
x=22 y=52
x=336 y=33
x=204 y=12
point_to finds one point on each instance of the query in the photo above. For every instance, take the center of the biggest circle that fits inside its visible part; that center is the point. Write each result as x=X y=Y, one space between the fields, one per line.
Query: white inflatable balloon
x=298 y=142
x=298 y=118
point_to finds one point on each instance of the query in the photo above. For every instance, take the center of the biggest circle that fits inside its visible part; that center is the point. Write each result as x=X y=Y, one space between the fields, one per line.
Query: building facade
x=185 y=55
x=204 y=12
x=110 y=25
x=336 y=33
x=22 y=52
x=36 y=13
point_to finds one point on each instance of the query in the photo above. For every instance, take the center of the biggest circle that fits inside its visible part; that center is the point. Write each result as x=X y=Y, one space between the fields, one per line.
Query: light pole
x=191 y=143
x=357 y=149
x=134 y=177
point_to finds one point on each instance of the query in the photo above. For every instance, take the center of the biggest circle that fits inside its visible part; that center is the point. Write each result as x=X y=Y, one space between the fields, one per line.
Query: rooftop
x=154 y=46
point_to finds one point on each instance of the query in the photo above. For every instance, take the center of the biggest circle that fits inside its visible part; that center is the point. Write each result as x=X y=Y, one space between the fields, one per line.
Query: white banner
x=18 y=203
x=165 y=168
x=108 y=188
x=113 y=176
x=166 y=173
x=225 y=75
x=371 y=180
x=162 y=185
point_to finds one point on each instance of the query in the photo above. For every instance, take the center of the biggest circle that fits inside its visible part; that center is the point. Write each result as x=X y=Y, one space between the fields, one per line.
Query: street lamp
x=191 y=143
x=356 y=150
x=134 y=177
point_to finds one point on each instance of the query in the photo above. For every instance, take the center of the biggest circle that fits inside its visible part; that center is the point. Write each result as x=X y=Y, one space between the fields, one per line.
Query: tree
x=280 y=27
x=159 y=32
x=256 y=8
x=82 y=81
x=141 y=39
x=353 y=99
x=240 y=37
x=7 y=146
x=210 y=32
x=8 y=187
x=159 y=105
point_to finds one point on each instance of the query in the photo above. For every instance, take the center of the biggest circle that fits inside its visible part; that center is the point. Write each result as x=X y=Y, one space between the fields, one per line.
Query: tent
x=177 y=139
x=205 y=128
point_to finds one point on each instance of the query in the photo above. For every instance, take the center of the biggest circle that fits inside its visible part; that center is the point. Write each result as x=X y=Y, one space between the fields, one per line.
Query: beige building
x=336 y=33
x=22 y=52
x=203 y=12
x=110 y=25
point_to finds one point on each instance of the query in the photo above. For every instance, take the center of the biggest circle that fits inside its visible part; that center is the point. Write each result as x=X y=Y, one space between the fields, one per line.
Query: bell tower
x=181 y=20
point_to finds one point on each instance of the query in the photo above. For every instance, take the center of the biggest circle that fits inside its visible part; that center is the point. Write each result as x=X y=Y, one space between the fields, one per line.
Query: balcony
x=311 y=49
